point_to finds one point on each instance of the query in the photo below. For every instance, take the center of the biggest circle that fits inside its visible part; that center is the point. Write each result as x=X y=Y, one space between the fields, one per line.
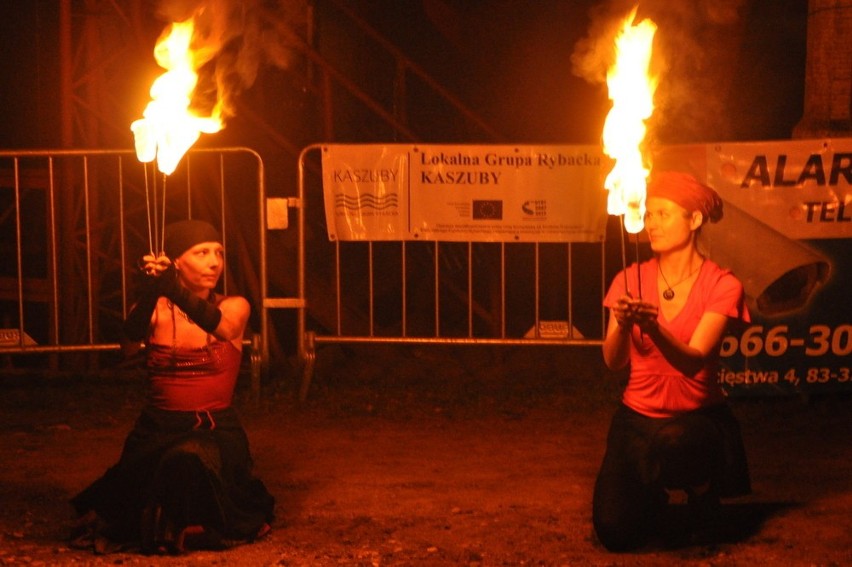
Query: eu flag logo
x=487 y=210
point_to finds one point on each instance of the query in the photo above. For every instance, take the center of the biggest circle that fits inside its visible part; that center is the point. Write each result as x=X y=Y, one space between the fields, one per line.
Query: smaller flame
x=168 y=127
x=631 y=90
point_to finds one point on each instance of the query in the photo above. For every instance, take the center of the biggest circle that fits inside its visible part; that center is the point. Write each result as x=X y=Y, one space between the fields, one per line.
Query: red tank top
x=195 y=379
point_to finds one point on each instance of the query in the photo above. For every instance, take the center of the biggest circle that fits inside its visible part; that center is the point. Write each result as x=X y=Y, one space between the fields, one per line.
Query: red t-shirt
x=655 y=388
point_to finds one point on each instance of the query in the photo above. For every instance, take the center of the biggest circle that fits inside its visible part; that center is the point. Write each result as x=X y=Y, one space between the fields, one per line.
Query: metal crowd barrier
x=437 y=293
x=74 y=221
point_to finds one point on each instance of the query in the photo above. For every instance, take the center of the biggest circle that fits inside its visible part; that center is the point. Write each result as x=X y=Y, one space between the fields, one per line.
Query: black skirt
x=191 y=468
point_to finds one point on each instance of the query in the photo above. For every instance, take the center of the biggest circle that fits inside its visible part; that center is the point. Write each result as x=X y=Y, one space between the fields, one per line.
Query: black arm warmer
x=138 y=321
x=202 y=312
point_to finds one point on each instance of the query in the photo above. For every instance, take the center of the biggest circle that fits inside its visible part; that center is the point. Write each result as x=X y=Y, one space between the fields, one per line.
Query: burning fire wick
x=631 y=90
x=169 y=126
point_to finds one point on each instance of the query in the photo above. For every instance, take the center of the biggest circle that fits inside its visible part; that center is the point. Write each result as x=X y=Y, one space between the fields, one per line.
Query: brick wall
x=828 y=75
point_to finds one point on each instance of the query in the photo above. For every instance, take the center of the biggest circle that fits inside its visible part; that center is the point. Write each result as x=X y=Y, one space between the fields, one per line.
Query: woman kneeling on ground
x=184 y=478
x=673 y=430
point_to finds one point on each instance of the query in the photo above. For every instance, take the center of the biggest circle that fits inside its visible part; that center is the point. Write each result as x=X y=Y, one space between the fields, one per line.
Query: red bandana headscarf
x=688 y=192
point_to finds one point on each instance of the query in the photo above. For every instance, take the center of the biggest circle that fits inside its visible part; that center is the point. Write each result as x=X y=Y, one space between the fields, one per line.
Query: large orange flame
x=631 y=90
x=169 y=127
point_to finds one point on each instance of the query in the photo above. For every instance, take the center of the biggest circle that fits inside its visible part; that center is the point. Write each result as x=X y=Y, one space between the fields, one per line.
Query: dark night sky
x=742 y=79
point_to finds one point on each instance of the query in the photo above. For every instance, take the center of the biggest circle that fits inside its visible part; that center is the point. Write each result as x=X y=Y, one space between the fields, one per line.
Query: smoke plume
x=695 y=48
x=233 y=40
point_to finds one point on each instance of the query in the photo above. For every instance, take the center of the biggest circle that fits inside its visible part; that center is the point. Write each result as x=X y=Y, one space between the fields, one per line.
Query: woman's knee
x=621 y=513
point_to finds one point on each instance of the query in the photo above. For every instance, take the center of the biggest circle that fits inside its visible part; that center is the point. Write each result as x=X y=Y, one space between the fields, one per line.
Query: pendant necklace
x=669 y=293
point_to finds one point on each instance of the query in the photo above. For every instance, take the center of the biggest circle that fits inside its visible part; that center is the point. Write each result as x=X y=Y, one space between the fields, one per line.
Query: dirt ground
x=429 y=456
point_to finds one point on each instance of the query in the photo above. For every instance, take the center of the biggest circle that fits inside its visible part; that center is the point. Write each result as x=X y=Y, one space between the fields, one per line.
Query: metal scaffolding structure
x=104 y=50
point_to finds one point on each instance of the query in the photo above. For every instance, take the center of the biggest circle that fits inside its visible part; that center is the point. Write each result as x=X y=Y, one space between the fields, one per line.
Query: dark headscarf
x=688 y=192
x=183 y=235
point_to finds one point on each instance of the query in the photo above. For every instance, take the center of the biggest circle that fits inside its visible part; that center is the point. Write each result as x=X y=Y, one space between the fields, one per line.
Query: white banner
x=465 y=193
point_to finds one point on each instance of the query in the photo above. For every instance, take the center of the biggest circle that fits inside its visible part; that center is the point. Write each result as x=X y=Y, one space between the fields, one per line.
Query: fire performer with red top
x=184 y=477
x=673 y=430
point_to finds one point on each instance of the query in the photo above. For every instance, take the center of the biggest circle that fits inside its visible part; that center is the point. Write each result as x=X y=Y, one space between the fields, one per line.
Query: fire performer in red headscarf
x=184 y=477
x=673 y=430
